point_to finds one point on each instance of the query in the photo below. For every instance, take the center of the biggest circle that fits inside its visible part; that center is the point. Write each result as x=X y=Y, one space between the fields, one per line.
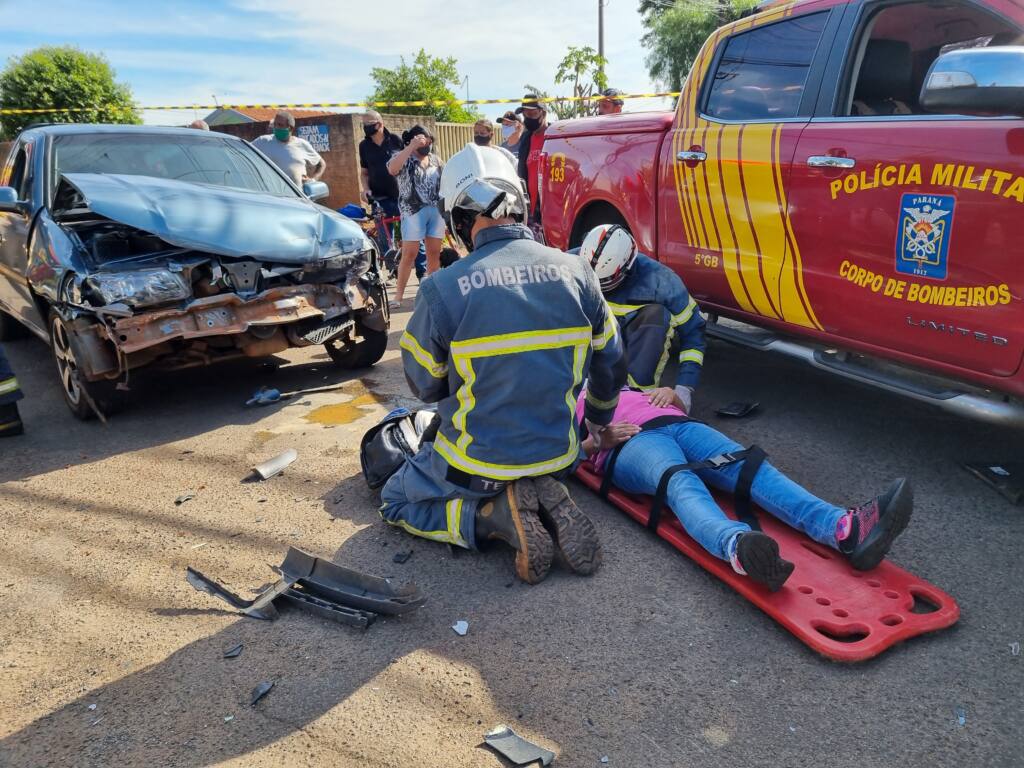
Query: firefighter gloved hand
x=685 y=395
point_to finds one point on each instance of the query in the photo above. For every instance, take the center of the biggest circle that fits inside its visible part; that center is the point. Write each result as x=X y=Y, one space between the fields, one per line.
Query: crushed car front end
x=154 y=271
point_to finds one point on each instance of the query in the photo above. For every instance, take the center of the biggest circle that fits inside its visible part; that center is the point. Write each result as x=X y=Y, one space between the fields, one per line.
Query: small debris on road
x=461 y=628
x=276 y=465
x=509 y=744
x=604 y=758
x=228 y=718
x=231 y=653
x=92 y=707
x=961 y=717
x=260 y=691
x=1015 y=649
x=187 y=496
x=737 y=410
x=198 y=546
x=401 y=557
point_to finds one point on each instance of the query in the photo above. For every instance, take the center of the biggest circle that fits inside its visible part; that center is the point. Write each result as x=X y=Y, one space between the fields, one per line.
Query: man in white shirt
x=295 y=156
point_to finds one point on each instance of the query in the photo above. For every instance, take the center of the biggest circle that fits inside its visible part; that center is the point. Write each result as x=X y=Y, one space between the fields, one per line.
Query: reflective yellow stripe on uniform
x=621 y=310
x=604 y=405
x=8 y=385
x=453 y=519
x=691 y=356
x=683 y=317
x=421 y=356
x=464 y=351
x=610 y=329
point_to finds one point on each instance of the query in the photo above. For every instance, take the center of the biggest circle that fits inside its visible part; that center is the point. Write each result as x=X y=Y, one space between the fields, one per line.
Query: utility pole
x=600 y=32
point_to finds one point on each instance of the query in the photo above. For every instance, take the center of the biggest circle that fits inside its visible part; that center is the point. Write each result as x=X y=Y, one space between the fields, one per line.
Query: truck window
x=899 y=44
x=761 y=73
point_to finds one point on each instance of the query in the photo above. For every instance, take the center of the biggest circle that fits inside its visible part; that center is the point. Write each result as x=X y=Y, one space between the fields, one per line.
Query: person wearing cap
x=483 y=136
x=535 y=121
x=610 y=102
x=511 y=132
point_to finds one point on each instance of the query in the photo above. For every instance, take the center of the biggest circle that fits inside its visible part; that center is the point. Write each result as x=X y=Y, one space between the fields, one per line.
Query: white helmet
x=611 y=251
x=479 y=181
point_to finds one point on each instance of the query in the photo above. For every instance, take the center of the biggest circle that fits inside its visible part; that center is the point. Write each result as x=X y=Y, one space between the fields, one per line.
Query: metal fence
x=449 y=138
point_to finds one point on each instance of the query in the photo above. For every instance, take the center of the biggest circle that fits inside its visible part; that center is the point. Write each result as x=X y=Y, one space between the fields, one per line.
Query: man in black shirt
x=374 y=152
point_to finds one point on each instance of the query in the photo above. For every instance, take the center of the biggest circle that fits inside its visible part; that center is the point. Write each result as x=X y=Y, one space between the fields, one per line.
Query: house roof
x=260 y=114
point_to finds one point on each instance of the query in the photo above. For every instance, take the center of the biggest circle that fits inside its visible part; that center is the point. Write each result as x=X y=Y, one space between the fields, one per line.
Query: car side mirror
x=316 y=190
x=988 y=81
x=9 y=202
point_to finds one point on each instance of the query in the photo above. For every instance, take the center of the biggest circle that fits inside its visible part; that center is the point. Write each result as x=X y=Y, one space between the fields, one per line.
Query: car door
x=907 y=222
x=726 y=162
x=15 y=297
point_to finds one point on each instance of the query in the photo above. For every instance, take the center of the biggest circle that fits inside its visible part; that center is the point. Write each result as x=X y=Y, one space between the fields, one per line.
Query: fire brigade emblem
x=926 y=223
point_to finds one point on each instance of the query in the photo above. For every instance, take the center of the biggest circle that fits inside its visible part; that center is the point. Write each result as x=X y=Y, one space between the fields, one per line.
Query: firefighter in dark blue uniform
x=10 y=394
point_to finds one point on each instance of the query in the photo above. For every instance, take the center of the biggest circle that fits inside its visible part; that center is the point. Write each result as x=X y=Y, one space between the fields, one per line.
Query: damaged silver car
x=129 y=246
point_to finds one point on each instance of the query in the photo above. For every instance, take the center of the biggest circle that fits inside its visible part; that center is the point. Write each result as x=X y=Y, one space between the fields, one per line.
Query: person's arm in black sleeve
x=425 y=354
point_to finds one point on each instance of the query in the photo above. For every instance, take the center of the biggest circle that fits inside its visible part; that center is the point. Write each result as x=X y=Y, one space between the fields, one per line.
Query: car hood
x=221 y=220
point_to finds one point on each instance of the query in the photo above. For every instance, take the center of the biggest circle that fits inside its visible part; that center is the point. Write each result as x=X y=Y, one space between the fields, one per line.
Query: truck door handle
x=830 y=161
x=692 y=156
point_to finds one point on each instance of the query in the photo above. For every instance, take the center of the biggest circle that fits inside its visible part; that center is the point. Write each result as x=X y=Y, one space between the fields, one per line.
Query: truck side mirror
x=315 y=190
x=970 y=81
x=9 y=202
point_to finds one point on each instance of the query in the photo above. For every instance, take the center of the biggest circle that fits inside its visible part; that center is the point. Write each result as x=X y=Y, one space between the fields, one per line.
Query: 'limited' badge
x=926 y=223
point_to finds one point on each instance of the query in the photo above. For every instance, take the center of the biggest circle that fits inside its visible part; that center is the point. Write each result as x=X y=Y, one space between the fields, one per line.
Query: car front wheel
x=84 y=398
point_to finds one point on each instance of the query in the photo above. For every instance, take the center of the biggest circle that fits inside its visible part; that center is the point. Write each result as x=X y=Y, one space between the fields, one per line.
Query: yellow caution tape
x=336 y=104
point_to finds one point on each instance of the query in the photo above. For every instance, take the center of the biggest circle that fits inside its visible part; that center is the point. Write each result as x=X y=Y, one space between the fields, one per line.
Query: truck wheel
x=76 y=390
x=362 y=354
x=11 y=329
x=600 y=215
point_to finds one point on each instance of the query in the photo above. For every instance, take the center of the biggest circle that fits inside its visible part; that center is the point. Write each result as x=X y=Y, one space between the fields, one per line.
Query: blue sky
x=268 y=51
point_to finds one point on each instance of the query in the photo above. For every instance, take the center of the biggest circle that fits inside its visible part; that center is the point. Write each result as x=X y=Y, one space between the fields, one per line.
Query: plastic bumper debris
x=320 y=587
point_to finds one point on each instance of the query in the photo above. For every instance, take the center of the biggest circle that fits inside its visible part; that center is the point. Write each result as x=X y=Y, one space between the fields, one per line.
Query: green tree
x=427 y=78
x=676 y=32
x=575 y=68
x=63 y=77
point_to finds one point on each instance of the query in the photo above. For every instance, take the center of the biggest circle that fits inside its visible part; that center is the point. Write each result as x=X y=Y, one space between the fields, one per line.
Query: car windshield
x=203 y=158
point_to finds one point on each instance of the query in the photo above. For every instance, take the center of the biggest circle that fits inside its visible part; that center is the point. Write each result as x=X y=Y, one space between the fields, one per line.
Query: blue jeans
x=644 y=458
x=390 y=207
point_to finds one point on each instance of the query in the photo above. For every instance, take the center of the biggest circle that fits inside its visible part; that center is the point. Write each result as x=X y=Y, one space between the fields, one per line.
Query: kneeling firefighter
x=662 y=328
x=502 y=341
x=10 y=394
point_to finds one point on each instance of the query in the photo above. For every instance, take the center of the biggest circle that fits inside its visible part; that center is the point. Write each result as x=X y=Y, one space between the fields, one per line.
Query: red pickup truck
x=843 y=178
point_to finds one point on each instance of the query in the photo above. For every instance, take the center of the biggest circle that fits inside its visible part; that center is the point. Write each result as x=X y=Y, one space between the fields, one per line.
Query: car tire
x=77 y=392
x=361 y=354
x=11 y=329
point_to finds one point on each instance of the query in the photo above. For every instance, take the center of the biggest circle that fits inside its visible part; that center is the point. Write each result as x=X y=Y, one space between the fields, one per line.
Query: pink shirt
x=633 y=408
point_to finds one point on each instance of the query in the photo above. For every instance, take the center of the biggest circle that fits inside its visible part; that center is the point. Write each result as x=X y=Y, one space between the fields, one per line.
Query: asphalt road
x=109 y=658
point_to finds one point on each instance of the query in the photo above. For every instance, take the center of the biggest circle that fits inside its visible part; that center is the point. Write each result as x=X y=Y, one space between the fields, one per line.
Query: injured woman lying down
x=651 y=434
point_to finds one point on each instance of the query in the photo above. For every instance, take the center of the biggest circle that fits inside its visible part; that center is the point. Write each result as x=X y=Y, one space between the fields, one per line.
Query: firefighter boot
x=10 y=421
x=511 y=516
x=574 y=533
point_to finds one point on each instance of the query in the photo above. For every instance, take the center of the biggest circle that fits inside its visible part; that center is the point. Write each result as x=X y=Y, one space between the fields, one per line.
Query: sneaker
x=874 y=525
x=574 y=533
x=10 y=421
x=511 y=517
x=757 y=555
